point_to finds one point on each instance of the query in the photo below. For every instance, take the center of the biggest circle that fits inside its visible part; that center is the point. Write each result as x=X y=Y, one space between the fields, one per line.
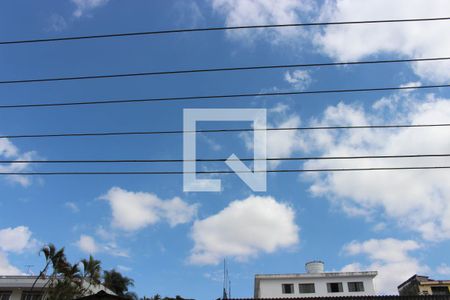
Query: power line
x=191 y=71
x=224 y=171
x=221 y=159
x=220 y=130
x=225 y=96
x=190 y=30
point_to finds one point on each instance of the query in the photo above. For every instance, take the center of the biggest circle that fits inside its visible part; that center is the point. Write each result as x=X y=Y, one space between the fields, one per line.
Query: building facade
x=314 y=283
x=423 y=285
x=20 y=288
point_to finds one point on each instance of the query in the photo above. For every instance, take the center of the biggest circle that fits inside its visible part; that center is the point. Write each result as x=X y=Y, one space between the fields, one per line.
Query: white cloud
x=90 y=245
x=443 y=269
x=113 y=249
x=415 y=200
x=57 y=23
x=251 y=12
x=6 y=268
x=390 y=257
x=353 y=42
x=9 y=151
x=280 y=143
x=124 y=268
x=87 y=244
x=387 y=250
x=84 y=6
x=243 y=229
x=136 y=210
x=72 y=206
x=419 y=39
x=189 y=13
x=298 y=79
x=16 y=239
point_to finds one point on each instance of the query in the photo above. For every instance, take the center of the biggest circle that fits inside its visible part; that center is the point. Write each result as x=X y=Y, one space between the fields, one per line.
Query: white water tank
x=315 y=266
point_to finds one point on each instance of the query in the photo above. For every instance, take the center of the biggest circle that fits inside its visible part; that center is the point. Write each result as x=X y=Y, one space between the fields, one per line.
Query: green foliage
x=68 y=282
x=116 y=282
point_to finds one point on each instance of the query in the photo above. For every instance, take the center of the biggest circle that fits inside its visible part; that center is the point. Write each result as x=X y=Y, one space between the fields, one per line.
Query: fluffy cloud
x=421 y=39
x=136 y=210
x=87 y=244
x=443 y=269
x=390 y=257
x=189 y=13
x=280 y=143
x=16 y=239
x=417 y=200
x=6 y=268
x=243 y=229
x=251 y=12
x=9 y=151
x=57 y=23
x=72 y=206
x=84 y=6
x=298 y=79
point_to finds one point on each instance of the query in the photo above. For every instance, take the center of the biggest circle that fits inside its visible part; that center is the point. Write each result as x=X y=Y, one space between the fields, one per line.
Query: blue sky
x=171 y=242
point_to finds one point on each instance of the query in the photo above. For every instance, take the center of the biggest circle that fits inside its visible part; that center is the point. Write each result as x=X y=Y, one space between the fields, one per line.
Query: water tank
x=315 y=266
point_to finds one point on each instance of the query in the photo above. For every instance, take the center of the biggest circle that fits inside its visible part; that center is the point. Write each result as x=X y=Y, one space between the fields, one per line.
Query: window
x=306 y=288
x=5 y=295
x=30 y=296
x=356 y=286
x=334 y=287
x=288 y=288
x=440 y=290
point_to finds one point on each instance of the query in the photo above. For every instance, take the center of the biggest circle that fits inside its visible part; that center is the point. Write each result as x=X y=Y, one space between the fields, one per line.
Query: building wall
x=272 y=288
x=16 y=293
x=426 y=289
x=416 y=287
x=17 y=284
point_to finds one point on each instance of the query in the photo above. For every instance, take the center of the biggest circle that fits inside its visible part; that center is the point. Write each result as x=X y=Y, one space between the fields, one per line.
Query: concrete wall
x=272 y=288
x=17 y=284
x=16 y=294
x=426 y=289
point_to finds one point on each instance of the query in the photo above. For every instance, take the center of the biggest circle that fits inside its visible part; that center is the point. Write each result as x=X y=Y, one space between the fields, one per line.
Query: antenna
x=226 y=281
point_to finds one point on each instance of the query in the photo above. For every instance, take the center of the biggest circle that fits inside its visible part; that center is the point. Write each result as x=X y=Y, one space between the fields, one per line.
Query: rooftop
x=423 y=280
x=378 y=297
x=24 y=281
x=317 y=275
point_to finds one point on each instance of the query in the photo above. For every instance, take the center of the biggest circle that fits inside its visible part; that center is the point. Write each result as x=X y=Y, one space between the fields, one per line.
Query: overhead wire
x=302 y=158
x=224 y=69
x=218 y=28
x=217 y=97
x=219 y=130
x=224 y=171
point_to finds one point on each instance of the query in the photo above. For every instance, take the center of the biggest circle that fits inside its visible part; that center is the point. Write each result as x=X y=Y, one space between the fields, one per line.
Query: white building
x=314 y=283
x=19 y=288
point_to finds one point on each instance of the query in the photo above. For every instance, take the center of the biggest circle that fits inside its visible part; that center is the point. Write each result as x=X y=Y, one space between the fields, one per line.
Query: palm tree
x=91 y=270
x=116 y=282
x=52 y=258
x=68 y=283
x=64 y=282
